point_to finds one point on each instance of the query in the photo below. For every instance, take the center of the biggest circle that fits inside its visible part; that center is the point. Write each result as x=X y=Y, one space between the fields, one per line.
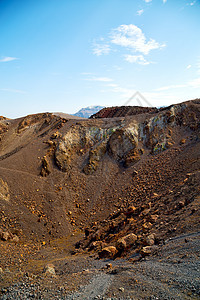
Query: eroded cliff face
x=119 y=142
x=125 y=142
x=79 y=140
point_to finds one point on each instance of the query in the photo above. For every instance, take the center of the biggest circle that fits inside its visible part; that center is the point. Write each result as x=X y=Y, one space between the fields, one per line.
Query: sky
x=62 y=55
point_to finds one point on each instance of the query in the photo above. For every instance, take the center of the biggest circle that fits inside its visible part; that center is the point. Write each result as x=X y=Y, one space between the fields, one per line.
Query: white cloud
x=137 y=59
x=132 y=37
x=164 y=1
x=193 y=3
x=188 y=67
x=140 y=12
x=147 y=1
x=99 y=49
x=7 y=58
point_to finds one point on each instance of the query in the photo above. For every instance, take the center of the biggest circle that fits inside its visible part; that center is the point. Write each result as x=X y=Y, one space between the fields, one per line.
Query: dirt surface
x=171 y=273
x=124 y=188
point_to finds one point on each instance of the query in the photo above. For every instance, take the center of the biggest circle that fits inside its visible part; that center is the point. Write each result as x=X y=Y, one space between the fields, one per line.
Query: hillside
x=82 y=186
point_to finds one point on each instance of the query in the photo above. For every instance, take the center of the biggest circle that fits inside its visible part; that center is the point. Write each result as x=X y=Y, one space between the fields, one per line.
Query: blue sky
x=61 y=55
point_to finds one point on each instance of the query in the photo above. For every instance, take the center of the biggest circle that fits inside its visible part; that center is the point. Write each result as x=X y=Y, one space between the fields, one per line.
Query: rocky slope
x=112 y=186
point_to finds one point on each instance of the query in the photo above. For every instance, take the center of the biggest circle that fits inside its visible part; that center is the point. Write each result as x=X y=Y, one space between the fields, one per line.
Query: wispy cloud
x=13 y=91
x=7 y=59
x=99 y=49
x=188 y=67
x=164 y=1
x=132 y=37
x=140 y=12
x=137 y=59
x=193 y=2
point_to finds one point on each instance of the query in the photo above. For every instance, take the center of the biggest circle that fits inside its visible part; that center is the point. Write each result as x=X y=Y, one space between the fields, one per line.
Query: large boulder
x=109 y=252
x=5 y=235
x=126 y=241
x=150 y=239
x=148 y=250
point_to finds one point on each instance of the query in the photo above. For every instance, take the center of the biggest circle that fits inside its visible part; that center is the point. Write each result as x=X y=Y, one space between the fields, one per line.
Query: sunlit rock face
x=126 y=141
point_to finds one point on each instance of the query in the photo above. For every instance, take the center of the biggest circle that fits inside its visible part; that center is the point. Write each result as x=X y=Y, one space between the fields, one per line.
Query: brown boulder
x=109 y=252
x=126 y=241
x=148 y=250
x=5 y=236
x=150 y=239
x=97 y=245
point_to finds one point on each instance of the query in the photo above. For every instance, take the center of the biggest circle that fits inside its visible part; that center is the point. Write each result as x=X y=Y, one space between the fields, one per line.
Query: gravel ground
x=173 y=273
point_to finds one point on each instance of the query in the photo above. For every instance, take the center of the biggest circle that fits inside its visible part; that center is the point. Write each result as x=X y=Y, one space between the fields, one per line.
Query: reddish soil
x=58 y=214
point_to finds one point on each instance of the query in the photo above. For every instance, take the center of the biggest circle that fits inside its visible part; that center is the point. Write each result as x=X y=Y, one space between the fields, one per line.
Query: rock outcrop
x=127 y=141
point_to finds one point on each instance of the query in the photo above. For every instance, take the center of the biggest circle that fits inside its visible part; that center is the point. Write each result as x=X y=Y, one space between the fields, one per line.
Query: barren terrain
x=101 y=208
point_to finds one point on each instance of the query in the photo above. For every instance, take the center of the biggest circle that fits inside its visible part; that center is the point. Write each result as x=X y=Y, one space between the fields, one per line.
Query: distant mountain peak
x=86 y=112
